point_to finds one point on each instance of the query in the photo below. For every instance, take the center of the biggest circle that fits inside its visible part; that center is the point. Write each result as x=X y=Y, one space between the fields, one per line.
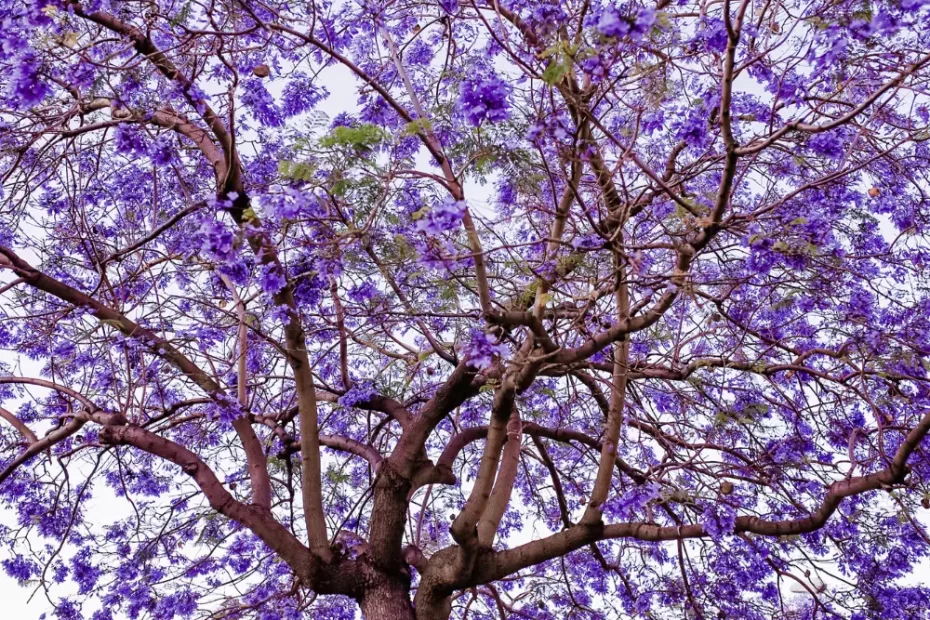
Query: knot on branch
x=415 y=558
x=111 y=435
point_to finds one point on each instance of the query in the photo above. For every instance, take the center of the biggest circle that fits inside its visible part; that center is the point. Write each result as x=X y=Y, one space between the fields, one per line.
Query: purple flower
x=713 y=34
x=484 y=98
x=359 y=393
x=68 y=610
x=343 y=119
x=612 y=24
x=692 y=128
x=20 y=569
x=291 y=204
x=828 y=144
x=442 y=217
x=546 y=18
x=218 y=242
x=163 y=152
x=718 y=520
x=449 y=6
x=181 y=604
x=85 y=573
x=272 y=280
x=913 y=5
x=260 y=102
x=130 y=140
x=225 y=408
x=642 y=23
x=479 y=352
x=81 y=75
x=26 y=88
x=835 y=44
x=363 y=293
x=301 y=95
x=636 y=499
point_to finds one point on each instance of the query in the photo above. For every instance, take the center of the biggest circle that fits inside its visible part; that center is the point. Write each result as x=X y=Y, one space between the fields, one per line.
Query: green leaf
x=365 y=135
x=299 y=171
x=557 y=69
x=421 y=125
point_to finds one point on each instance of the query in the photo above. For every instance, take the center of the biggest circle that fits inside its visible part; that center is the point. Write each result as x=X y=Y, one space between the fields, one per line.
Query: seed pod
x=874 y=192
x=925 y=502
x=261 y=71
x=726 y=488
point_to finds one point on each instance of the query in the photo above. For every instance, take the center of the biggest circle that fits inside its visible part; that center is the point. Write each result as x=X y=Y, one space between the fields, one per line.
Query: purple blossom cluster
x=485 y=99
x=218 y=241
x=480 y=351
x=712 y=35
x=444 y=216
x=27 y=88
x=271 y=279
x=831 y=144
x=358 y=393
x=130 y=140
x=292 y=203
x=719 y=520
x=631 y=504
x=613 y=24
x=262 y=105
x=301 y=94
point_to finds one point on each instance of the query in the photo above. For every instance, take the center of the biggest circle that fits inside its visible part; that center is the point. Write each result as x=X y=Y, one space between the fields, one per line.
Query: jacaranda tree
x=583 y=310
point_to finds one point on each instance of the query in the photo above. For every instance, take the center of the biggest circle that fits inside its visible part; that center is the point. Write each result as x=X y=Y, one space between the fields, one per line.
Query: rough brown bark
x=387 y=599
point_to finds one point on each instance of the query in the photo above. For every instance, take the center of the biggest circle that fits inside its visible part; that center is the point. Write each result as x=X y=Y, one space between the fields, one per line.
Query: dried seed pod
x=261 y=71
x=726 y=487
x=925 y=502
x=874 y=192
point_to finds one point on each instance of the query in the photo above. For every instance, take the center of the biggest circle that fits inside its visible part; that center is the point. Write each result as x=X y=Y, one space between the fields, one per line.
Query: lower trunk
x=387 y=602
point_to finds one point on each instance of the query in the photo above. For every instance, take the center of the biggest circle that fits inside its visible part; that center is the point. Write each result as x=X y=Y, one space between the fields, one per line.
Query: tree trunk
x=387 y=601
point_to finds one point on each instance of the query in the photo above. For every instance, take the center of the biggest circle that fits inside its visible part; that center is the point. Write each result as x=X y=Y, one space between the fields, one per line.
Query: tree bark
x=387 y=600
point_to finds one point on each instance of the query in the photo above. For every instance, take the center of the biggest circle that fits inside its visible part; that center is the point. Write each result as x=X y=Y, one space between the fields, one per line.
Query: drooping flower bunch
x=480 y=350
x=485 y=99
x=442 y=216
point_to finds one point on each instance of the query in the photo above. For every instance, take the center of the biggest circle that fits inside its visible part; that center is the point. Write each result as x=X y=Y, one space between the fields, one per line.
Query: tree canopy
x=571 y=309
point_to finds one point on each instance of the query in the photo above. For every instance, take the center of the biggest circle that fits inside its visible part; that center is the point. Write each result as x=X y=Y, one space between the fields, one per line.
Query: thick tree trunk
x=387 y=601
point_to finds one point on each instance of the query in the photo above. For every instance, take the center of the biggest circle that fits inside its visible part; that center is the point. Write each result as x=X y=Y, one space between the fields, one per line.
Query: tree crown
x=473 y=309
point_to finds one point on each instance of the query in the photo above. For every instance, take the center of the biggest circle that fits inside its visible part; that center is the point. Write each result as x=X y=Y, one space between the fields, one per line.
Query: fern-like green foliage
x=362 y=136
